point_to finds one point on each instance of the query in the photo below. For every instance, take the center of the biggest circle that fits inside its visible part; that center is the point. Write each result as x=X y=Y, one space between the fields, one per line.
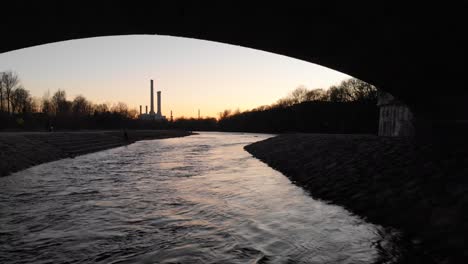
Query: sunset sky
x=191 y=74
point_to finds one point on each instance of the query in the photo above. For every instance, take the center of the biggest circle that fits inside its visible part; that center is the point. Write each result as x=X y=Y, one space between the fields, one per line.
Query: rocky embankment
x=25 y=149
x=420 y=188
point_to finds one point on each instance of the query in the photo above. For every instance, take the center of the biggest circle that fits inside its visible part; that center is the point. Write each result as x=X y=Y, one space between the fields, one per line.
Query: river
x=196 y=199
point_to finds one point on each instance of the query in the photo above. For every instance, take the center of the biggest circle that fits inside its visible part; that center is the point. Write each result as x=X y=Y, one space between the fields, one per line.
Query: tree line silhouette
x=20 y=111
x=349 y=107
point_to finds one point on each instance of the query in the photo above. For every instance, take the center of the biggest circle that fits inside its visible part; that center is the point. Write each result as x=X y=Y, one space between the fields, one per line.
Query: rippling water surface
x=197 y=199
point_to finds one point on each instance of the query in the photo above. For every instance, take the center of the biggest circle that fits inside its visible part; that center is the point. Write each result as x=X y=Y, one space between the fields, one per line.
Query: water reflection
x=199 y=199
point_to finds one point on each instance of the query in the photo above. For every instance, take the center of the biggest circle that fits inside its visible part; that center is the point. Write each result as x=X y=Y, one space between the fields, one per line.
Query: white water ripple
x=197 y=199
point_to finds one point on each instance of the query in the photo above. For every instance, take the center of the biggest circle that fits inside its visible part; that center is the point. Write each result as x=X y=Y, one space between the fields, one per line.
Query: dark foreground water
x=197 y=199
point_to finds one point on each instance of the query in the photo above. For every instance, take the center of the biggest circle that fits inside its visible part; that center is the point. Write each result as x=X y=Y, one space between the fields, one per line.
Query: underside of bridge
x=416 y=54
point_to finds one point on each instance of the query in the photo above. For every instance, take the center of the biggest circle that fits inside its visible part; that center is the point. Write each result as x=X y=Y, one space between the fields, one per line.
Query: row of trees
x=59 y=106
x=18 y=109
x=13 y=97
x=350 y=90
x=349 y=107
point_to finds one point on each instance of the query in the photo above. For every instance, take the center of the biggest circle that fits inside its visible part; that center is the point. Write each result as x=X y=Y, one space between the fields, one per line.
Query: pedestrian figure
x=125 y=135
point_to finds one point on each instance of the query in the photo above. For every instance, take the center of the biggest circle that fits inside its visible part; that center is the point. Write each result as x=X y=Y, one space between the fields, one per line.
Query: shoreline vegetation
x=21 y=150
x=419 y=188
x=349 y=107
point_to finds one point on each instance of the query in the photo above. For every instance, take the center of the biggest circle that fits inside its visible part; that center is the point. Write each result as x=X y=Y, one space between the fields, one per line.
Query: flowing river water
x=197 y=199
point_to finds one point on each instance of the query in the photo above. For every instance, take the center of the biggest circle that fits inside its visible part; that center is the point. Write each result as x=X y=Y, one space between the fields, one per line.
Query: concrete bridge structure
x=417 y=54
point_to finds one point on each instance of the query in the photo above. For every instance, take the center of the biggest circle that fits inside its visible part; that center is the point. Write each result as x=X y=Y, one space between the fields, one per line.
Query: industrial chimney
x=140 y=110
x=152 y=99
x=159 y=103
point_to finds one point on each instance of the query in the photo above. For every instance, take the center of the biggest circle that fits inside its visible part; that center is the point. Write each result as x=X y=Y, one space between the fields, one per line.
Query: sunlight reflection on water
x=197 y=199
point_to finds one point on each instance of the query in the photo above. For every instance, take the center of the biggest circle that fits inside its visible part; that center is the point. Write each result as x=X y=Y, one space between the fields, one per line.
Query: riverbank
x=420 y=188
x=21 y=150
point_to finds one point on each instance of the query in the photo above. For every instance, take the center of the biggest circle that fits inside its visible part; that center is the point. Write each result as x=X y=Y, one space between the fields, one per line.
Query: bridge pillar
x=396 y=118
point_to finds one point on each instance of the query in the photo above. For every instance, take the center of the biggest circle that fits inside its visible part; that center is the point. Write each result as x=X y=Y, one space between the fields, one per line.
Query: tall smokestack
x=146 y=109
x=140 y=110
x=152 y=99
x=159 y=103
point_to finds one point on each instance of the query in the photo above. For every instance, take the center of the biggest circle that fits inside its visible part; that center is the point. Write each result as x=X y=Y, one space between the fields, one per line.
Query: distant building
x=396 y=119
x=152 y=115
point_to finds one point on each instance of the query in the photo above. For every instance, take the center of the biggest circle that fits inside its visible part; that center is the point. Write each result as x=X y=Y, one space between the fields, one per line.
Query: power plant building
x=152 y=115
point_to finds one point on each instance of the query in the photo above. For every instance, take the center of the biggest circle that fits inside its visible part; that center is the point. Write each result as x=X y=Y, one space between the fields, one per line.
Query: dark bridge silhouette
x=416 y=54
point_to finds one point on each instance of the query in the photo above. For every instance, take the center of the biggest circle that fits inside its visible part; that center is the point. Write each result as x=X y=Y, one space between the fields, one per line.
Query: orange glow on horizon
x=191 y=74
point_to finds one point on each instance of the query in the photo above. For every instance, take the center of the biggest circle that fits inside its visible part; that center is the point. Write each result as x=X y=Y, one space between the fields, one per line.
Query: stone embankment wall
x=420 y=188
x=25 y=149
x=396 y=119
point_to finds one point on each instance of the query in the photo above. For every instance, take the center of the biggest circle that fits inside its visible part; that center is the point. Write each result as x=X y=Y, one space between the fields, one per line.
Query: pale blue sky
x=191 y=73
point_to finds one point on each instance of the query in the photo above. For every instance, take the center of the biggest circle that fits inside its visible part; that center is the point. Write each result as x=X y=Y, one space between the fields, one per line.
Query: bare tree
x=283 y=102
x=299 y=95
x=261 y=108
x=316 y=95
x=360 y=90
x=47 y=107
x=60 y=103
x=1 y=91
x=225 y=114
x=10 y=81
x=133 y=113
x=120 y=108
x=21 y=101
x=339 y=94
x=237 y=111
x=46 y=104
x=101 y=108
x=36 y=104
x=81 y=106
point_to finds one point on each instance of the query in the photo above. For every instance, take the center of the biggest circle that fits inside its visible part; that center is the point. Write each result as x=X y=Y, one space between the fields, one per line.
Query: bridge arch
x=407 y=54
